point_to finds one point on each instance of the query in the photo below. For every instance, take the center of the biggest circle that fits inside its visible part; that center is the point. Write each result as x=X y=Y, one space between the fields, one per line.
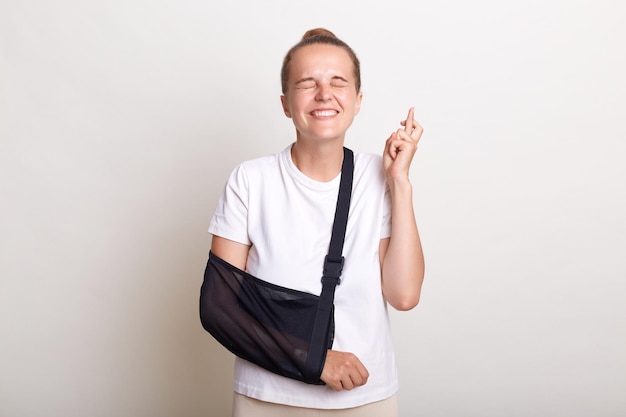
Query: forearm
x=403 y=261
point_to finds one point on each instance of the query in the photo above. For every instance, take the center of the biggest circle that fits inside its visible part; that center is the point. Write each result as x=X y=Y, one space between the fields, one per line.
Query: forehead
x=316 y=58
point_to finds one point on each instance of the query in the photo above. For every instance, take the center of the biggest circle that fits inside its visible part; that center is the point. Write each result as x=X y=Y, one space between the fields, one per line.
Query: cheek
x=300 y=102
x=348 y=97
x=351 y=102
x=290 y=104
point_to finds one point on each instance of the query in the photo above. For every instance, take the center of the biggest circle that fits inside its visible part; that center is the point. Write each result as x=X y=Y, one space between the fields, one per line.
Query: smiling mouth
x=324 y=113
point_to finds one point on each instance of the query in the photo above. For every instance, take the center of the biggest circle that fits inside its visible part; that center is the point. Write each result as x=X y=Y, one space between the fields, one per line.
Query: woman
x=274 y=220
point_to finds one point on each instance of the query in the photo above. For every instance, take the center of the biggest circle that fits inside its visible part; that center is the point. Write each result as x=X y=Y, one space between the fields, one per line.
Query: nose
x=323 y=93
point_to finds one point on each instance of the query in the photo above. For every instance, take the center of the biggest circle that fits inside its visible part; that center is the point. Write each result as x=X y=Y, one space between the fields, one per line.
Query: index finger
x=408 y=123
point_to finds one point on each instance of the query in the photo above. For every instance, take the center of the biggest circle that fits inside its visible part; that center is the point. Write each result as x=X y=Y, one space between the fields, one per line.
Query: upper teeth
x=325 y=113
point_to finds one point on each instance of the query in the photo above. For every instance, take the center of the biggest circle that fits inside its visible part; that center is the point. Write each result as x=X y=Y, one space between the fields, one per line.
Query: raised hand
x=401 y=147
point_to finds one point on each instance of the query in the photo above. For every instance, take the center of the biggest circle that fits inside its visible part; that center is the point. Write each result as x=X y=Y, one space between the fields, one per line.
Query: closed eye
x=339 y=82
x=305 y=84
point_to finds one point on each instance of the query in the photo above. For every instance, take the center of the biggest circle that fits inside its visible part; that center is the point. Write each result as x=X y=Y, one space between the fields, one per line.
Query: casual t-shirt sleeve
x=230 y=219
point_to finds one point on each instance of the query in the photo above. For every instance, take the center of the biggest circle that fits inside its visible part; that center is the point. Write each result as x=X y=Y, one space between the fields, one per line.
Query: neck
x=319 y=162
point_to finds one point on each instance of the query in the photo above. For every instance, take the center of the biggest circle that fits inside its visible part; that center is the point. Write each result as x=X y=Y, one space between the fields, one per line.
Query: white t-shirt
x=287 y=219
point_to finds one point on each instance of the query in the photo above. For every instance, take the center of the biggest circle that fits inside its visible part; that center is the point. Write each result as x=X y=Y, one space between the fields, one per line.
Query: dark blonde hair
x=320 y=36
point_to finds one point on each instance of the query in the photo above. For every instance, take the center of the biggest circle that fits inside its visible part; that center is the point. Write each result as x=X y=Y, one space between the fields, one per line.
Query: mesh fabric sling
x=285 y=331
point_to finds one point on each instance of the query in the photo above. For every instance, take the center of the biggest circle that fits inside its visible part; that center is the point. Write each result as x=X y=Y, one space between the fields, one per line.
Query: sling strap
x=333 y=266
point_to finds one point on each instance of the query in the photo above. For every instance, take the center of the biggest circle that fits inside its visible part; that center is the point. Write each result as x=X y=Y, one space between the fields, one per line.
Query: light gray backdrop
x=120 y=121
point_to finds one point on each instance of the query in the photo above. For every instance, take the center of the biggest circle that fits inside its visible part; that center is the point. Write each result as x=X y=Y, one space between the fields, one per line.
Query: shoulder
x=255 y=168
x=261 y=164
x=367 y=159
x=368 y=164
x=369 y=175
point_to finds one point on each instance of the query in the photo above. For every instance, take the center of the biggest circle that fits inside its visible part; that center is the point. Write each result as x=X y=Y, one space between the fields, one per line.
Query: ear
x=357 y=104
x=283 y=102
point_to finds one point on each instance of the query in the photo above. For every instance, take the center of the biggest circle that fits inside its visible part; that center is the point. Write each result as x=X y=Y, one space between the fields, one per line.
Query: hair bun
x=318 y=32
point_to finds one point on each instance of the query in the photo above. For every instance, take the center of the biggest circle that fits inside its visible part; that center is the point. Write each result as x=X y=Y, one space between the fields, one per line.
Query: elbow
x=405 y=302
x=406 y=305
x=405 y=294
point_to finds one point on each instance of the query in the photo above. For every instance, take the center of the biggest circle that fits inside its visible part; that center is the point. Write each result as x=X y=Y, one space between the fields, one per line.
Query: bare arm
x=234 y=253
x=401 y=256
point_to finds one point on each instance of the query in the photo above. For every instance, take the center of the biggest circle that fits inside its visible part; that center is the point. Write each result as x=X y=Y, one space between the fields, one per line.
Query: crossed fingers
x=412 y=129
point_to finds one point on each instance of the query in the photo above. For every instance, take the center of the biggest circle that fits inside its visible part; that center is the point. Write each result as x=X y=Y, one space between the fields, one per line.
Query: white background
x=120 y=121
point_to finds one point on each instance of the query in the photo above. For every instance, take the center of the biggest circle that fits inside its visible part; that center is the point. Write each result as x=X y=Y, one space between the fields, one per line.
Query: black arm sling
x=285 y=331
